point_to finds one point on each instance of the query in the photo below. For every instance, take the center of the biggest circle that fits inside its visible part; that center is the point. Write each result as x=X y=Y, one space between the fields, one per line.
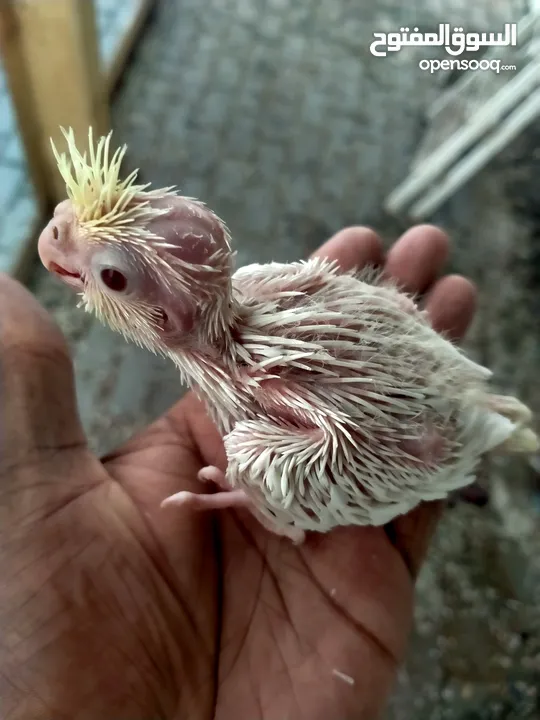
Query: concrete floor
x=275 y=113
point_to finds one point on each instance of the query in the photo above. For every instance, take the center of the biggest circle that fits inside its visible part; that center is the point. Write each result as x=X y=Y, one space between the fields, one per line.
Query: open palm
x=111 y=607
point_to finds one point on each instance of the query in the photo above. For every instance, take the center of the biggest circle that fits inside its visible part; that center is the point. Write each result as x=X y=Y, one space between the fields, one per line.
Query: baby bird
x=338 y=402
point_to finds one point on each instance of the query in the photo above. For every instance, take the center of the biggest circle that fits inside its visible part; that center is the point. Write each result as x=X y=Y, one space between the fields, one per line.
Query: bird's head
x=153 y=265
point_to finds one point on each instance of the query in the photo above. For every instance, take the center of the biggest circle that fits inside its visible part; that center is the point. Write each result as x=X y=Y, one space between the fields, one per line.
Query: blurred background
x=276 y=114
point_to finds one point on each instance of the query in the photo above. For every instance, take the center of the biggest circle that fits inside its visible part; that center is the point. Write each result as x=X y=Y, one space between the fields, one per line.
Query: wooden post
x=51 y=55
x=18 y=81
x=115 y=66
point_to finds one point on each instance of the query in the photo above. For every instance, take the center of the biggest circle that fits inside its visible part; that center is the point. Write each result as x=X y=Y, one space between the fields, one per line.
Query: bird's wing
x=273 y=280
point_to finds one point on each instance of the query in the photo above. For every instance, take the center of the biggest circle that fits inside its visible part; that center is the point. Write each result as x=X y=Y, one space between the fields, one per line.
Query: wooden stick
x=18 y=83
x=116 y=66
x=54 y=72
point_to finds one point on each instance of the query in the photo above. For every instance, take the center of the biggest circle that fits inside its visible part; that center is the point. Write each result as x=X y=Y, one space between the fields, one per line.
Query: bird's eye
x=114 y=279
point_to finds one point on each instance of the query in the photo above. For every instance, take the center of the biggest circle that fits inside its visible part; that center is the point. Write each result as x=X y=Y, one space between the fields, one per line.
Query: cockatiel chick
x=338 y=403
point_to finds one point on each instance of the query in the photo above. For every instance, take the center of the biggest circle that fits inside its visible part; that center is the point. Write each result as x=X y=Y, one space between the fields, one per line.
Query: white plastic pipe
x=526 y=113
x=526 y=30
x=486 y=118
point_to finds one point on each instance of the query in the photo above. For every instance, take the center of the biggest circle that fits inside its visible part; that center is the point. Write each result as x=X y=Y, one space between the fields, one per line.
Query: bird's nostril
x=55 y=232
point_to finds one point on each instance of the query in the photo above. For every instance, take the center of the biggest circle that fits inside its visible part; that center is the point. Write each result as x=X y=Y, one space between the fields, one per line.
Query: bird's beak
x=72 y=278
x=56 y=263
x=58 y=266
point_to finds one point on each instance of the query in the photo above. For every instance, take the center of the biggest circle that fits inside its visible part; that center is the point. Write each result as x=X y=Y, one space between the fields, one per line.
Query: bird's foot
x=214 y=501
x=227 y=499
x=213 y=474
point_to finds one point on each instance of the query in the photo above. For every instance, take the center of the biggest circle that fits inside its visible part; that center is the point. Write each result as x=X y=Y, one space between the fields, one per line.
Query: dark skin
x=114 y=609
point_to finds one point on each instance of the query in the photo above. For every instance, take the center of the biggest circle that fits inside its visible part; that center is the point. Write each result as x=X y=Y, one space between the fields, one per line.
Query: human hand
x=114 y=609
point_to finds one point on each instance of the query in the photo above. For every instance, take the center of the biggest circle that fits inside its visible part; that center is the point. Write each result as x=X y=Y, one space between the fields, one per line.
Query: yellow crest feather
x=103 y=202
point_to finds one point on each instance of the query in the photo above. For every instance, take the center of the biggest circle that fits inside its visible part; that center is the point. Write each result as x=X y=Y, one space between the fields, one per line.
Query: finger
x=451 y=304
x=411 y=534
x=417 y=258
x=38 y=409
x=353 y=247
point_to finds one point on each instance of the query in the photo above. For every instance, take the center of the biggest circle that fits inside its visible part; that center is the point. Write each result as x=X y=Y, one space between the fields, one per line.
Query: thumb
x=38 y=407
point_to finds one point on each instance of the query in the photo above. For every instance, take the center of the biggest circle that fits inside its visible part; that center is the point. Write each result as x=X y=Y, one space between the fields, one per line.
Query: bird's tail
x=523 y=439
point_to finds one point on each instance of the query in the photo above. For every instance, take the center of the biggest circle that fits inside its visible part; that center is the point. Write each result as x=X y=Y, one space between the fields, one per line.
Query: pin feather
x=338 y=402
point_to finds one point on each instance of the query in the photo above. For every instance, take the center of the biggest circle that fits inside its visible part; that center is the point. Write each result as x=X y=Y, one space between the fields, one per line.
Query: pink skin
x=186 y=228
x=227 y=499
x=194 y=234
x=57 y=249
